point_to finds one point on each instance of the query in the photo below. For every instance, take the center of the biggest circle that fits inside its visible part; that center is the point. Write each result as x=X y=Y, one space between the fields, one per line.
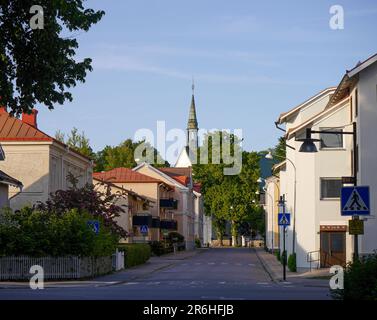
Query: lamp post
x=282 y=210
x=308 y=146
x=272 y=219
x=271 y=157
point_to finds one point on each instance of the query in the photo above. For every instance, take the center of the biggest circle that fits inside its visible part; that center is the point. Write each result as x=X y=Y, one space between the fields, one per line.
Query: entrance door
x=333 y=248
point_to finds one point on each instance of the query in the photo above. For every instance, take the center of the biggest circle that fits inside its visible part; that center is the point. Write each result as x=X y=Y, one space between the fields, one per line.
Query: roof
x=350 y=79
x=192 y=120
x=181 y=175
x=6 y=179
x=14 y=129
x=122 y=174
x=130 y=192
x=283 y=116
x=166 y=173
x=316 y=117
x=198 y=187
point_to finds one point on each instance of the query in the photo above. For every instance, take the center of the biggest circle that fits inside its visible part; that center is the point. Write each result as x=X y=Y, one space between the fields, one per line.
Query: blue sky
x=251 y=60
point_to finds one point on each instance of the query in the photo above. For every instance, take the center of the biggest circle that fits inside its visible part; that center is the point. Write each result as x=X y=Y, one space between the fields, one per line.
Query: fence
x=18 y=268
x=118 y=260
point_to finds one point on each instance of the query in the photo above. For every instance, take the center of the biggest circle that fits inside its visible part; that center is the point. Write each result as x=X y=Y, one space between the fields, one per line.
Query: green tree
x=279 y=150
x=38 y=65
x=123 y=156
x=227 y=197
x=77 y=141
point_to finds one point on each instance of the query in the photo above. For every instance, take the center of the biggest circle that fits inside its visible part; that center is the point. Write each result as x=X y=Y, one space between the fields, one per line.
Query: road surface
x=221 y=274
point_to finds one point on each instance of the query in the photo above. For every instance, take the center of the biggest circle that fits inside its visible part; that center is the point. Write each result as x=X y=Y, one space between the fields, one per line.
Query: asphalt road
x=224 y=274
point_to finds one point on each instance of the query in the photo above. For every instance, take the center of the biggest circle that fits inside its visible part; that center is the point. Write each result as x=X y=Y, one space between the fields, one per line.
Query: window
x=330 y=140
x=331 y=188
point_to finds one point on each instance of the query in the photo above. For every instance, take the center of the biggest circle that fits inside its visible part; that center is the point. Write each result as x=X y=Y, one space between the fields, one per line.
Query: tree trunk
x=234 y=234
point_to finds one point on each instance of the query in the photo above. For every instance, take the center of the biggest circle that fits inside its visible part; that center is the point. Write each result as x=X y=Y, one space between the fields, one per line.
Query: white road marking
x=211 y=263
x=222 y=282
x=262 y=283
x=238 y=264
x=224 y=262
x=131 y=283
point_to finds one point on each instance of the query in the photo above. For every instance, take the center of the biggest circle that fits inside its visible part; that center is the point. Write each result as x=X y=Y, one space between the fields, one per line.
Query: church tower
x=192 y=125
x=188 y=154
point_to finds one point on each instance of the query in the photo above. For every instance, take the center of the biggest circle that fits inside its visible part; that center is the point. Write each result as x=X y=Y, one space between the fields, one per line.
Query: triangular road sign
x=355 y=203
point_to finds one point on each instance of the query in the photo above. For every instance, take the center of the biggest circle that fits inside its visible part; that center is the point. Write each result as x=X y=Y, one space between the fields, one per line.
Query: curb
x=267 y=268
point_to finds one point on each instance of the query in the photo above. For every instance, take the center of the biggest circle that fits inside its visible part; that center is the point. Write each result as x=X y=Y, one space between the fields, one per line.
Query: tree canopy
x=228 y=197
x=38 y=64
x=77 y=141
x=122 y=155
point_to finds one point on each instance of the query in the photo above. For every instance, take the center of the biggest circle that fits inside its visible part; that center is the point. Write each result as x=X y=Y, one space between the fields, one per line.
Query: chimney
x=31 y=118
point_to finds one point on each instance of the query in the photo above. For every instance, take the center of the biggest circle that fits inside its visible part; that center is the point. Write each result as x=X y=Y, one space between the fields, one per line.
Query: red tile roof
x=124 y=175
x=181 y=175
x=14 y=129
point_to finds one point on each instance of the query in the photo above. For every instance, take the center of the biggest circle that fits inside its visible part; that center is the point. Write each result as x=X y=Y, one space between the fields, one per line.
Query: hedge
x=360 y=280
x=292 y=262
x=135 y=253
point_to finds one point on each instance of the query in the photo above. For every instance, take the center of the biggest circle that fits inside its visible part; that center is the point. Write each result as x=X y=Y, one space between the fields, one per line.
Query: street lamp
x=272 y=219
x=271 y=157
x=308 y=146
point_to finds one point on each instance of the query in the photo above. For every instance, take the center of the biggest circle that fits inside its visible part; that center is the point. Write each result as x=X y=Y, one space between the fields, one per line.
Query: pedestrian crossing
x=212 y=263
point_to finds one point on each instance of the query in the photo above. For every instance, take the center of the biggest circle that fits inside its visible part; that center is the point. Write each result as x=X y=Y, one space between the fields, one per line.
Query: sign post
x=284 y=220
x=355 y=202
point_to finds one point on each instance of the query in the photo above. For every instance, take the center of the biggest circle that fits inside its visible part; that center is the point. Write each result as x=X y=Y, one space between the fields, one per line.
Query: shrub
x=135 y=253
x=39 y=233
x=360 y=280
x=283 y=257
x=161 y=247
x=277 y=254
x=197 y=243
x=292 y=262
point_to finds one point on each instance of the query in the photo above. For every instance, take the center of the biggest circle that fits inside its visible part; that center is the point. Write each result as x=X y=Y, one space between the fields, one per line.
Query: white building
x=319 y=226
x=359 y=86
x=311 y=182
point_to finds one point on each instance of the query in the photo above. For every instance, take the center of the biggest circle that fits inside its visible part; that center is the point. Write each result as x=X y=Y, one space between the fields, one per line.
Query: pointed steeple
x=192 y=121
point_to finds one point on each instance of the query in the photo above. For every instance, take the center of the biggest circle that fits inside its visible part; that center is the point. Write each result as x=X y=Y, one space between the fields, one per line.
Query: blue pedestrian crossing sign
x=284 y=219
x=94 y=225
x=144 y=229
x=355 y=201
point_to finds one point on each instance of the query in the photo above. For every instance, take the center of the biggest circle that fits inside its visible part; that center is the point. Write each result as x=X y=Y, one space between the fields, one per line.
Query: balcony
x=168 y=224
x=169 y=204
x=146 y=220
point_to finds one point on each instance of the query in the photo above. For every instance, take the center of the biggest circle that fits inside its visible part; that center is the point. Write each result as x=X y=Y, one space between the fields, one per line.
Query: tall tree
x=36 y=60
x=227 y=197
x=77 y=141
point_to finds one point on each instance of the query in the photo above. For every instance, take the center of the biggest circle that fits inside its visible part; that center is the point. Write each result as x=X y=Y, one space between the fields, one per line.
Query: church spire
x=192 y=121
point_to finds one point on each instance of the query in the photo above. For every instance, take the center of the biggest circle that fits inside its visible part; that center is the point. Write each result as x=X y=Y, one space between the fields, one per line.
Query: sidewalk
x=275 y=269
x=152 y=265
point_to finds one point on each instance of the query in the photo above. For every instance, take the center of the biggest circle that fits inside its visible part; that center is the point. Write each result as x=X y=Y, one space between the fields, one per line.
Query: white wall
x=367 y=134
x=312 y=212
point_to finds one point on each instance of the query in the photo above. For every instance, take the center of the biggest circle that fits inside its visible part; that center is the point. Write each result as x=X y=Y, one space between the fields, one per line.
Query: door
x=333 y=248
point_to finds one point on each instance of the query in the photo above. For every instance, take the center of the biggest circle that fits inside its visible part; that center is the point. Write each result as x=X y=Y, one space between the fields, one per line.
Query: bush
x=161 y=247
x=292 y=262
x=197 y=243
x=277 y=254
x=38 y=233
x=135 y=253
x=360 y=280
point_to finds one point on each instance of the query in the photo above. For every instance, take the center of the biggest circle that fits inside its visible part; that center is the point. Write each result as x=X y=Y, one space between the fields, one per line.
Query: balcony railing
x=146 y=220
x=169 y=204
